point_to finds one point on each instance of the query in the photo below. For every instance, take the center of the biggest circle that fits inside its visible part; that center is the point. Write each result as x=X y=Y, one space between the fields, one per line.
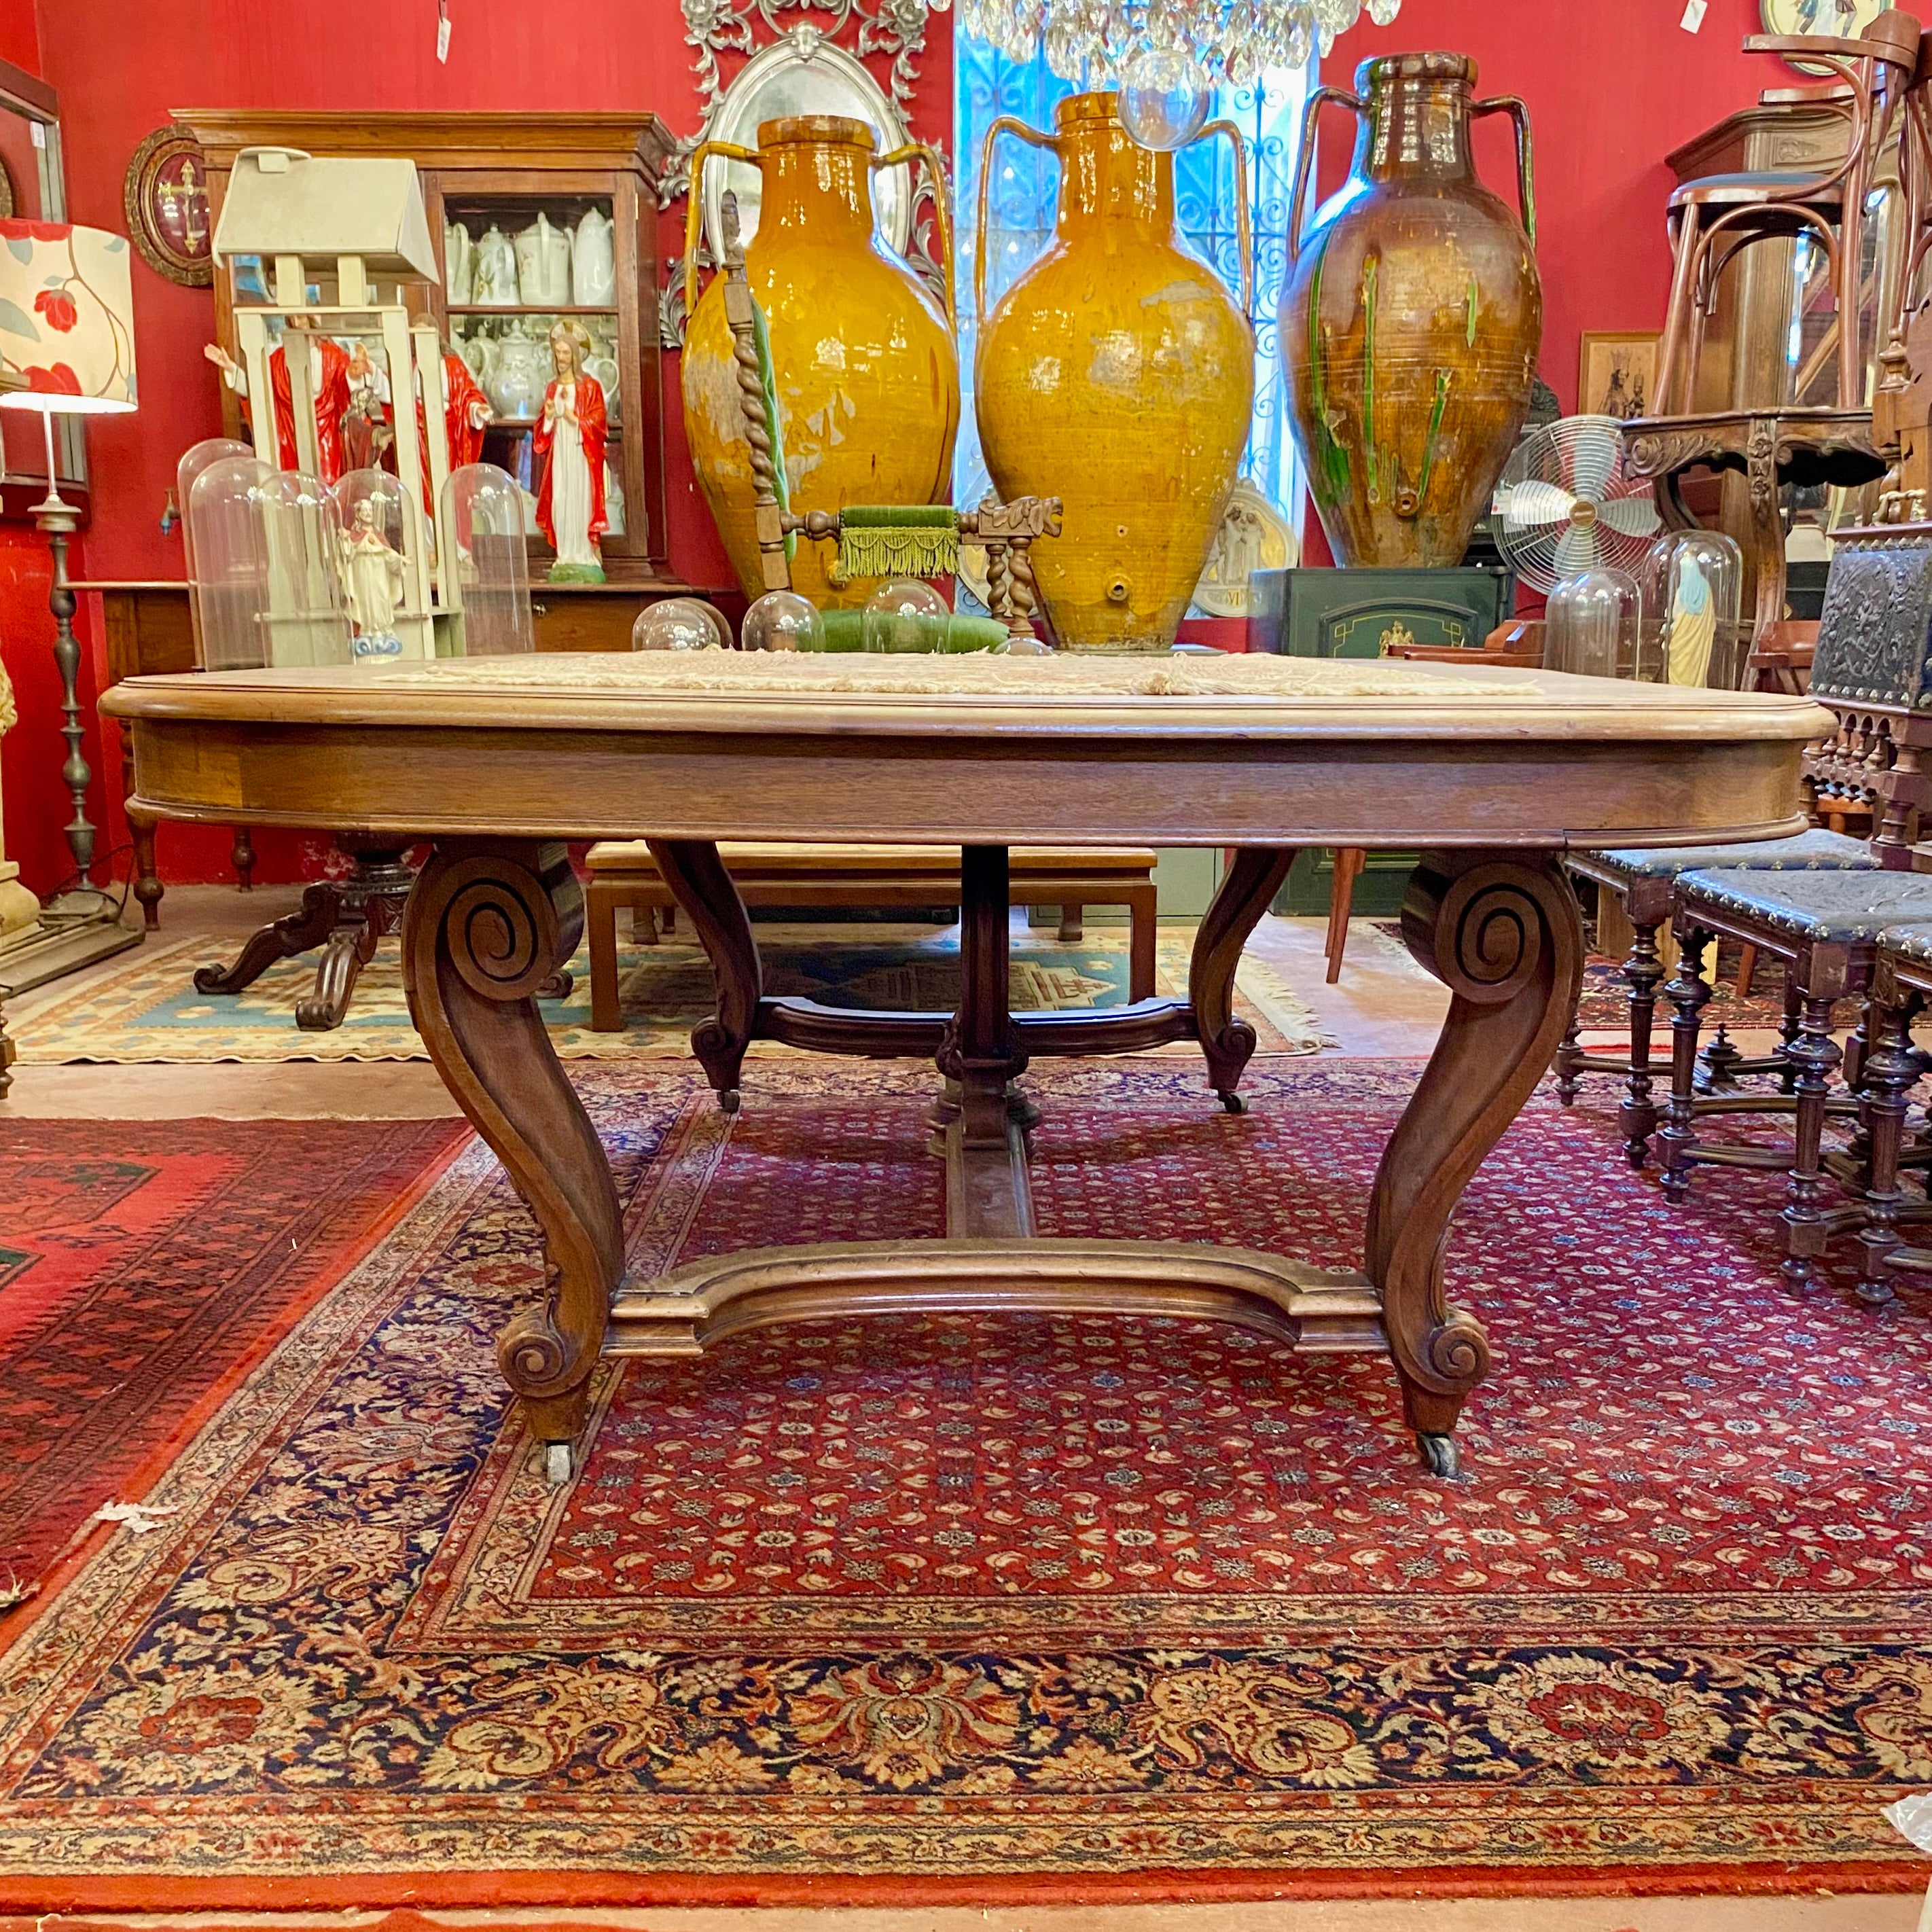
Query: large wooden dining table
x=497 y=762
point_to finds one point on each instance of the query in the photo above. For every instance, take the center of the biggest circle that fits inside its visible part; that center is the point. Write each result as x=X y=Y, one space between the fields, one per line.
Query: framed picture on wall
x=1618 y=376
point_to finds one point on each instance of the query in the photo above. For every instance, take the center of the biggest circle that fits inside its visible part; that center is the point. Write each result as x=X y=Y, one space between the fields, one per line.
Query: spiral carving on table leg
x=1458 y=1350
x=1483 y=934
x=534 y=1357
x=502 y=939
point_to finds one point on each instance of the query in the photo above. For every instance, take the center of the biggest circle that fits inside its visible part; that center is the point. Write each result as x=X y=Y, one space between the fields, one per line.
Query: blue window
x=1020 y=220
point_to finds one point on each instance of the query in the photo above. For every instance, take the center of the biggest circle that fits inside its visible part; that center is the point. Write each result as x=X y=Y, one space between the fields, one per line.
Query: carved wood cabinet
x=503 y=172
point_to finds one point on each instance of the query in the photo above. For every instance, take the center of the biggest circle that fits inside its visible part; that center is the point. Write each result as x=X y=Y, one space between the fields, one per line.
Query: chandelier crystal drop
x=1163 y=53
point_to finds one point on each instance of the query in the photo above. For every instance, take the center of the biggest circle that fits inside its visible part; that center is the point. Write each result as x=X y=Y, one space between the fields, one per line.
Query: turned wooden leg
x=1503 y=932
x=1247 y=890
x=1143 y=936
x=694 y=871
x=310 y=925
x=147 y=887
x=241 y=856
x=1688 y=992
x=1891 y=1071
x=600 y=912
x=988 y=1192
x=1568 y=1064
x=1815 y=1054
x=489 y=921
x=1747 y=970
x=1349 y=860
x=1643 y=970
x=1787 y=1032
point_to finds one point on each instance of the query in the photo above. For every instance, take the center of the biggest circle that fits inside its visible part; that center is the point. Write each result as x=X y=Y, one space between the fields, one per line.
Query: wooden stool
x=881 y=877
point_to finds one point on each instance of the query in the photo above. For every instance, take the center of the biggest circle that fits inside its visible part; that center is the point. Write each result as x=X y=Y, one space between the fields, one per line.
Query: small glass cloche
x=485 y=509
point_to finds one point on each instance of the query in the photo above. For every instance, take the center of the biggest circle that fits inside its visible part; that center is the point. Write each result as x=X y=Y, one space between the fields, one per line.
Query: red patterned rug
x=144 y=1267
x=944 y=1608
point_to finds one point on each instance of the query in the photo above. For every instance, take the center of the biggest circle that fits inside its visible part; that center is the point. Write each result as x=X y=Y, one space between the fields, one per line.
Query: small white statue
x=372 y=577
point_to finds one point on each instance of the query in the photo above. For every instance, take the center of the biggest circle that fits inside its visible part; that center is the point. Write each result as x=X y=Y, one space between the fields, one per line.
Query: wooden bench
x=623 y=873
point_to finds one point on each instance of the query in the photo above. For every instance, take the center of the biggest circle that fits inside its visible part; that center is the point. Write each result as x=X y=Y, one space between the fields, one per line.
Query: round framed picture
x=1842 y=20
x=165 y=197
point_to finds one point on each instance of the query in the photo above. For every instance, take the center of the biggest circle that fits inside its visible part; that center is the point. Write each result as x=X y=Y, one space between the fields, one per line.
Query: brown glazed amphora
x=1411 y=317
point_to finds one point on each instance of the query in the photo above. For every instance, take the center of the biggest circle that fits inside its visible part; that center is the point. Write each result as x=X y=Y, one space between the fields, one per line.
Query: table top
x=1066 y=750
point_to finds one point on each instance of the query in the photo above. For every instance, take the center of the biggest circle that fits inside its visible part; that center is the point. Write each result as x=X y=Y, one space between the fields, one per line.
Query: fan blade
x=1576 y=550
x=1631 y=516
x=1595 y=445
x=1532 y=504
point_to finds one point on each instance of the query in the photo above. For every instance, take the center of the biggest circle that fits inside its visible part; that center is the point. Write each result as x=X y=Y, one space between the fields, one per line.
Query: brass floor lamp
x=66 y=348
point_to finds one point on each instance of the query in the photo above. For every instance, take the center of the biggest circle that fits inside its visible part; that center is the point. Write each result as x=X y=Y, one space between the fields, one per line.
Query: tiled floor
x=1385 y=1005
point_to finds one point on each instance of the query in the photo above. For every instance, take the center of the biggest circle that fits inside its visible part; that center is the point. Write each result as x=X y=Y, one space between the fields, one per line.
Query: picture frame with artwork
x=1617 y=374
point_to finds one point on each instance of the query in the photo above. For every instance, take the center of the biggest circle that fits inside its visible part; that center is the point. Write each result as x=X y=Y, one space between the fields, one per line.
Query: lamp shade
x=67 y=318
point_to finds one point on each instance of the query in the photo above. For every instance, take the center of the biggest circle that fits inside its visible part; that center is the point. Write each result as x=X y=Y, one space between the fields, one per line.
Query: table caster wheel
x=1443 y=1457
x=1230 y=1101
x=728 y=1099
x=558 y=1464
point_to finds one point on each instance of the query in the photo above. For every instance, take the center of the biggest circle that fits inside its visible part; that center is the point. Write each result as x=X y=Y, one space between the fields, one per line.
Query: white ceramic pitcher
x=543 y=263
x=593 y=262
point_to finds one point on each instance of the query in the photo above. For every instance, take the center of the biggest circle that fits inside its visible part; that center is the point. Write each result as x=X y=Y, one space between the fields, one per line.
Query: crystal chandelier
x=1167 y=56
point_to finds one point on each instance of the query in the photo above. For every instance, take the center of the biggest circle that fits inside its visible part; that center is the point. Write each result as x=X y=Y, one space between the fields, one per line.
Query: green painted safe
x=1363 y=613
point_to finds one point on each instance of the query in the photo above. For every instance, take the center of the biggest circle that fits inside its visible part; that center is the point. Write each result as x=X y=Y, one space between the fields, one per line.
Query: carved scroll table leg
x=1246 y=892
x=489 y=921
x=1503 y=932
x=693 y=870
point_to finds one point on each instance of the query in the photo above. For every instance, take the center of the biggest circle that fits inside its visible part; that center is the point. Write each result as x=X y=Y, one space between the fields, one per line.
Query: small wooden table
x=1493 y=773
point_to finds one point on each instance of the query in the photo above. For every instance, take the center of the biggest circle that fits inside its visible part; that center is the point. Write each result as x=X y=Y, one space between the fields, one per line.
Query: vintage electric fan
x=1569 y=501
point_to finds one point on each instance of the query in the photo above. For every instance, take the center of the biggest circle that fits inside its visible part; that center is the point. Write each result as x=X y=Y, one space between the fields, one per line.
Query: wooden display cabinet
x=505 y=170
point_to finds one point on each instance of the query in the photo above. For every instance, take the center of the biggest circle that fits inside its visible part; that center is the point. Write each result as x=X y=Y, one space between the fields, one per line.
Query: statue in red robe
x=466 y=410
x=571 y=438
x=329 y=365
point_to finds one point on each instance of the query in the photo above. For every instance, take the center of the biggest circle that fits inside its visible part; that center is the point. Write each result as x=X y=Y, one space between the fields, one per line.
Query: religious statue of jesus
x=571 y=438
x=372 y=577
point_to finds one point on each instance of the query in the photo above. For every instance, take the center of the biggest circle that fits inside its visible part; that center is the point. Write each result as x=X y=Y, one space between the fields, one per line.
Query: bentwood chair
x=1714 y=219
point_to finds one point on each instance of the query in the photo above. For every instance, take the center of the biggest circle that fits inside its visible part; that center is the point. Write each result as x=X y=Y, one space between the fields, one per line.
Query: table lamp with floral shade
x=66 y=348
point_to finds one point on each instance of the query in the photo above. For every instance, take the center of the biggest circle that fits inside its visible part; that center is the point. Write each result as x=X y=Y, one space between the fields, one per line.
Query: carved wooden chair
x=1645 y=881
x=1901 y=987
x=1825 y=926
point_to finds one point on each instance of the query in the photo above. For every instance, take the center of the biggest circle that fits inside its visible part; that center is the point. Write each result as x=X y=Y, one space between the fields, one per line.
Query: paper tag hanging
x=442 y=28
x=1694 y=15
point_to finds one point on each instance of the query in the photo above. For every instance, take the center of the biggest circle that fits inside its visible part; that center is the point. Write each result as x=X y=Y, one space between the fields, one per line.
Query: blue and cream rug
x=143 y=1006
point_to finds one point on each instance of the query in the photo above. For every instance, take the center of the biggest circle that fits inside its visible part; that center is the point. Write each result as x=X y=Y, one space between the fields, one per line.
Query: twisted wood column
x=1503 y=932
x=489 y=923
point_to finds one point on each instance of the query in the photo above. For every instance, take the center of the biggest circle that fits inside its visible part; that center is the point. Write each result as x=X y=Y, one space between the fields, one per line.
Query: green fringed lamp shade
x=897 y=540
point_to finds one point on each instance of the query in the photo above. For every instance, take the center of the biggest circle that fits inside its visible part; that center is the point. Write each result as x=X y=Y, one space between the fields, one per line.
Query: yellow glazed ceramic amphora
x=867 y=370
x=1117 y=374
